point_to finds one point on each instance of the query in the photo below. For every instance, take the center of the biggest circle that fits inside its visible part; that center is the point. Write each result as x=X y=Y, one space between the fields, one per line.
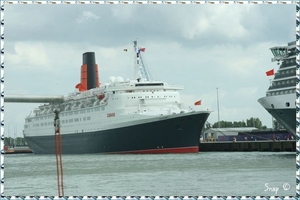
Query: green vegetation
x=252 y=122
x=19 y=141
x=277 y=125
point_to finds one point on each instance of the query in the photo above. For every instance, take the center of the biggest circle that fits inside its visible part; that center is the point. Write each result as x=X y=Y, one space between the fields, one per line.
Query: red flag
x=198 y=103
x=270 y=72
x=143 y=49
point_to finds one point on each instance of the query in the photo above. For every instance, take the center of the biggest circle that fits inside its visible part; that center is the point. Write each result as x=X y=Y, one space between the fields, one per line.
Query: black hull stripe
x=178 y=132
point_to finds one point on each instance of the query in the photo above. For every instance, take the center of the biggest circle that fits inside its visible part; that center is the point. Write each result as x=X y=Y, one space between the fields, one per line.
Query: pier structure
x=246 y=139
x=25 y=149
x=33 y=99
x=262 y=145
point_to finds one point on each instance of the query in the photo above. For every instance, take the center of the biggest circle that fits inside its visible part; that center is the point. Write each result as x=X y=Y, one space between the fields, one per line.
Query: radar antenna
x=140 y=70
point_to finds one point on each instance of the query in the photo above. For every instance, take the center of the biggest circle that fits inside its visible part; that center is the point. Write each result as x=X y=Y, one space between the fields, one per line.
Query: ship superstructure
x=132 y=116
x=280 y=100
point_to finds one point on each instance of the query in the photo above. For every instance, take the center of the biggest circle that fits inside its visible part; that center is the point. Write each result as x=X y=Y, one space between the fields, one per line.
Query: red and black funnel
x=89 y=73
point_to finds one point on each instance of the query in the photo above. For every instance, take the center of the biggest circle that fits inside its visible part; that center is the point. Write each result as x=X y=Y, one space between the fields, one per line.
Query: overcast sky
x=201 y=47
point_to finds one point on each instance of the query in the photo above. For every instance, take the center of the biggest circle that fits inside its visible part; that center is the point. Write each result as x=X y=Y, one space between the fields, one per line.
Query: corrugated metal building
x=212 y=134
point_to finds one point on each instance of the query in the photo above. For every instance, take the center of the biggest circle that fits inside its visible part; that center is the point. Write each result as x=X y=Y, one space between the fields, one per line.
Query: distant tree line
x=277 y=125
x=12 y=142
x=252 y=122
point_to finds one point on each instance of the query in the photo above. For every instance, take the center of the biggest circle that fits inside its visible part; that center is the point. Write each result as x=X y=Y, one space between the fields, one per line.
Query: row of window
x=281 y=92
x=287 y=71
x=292 y=60
x=83 y=111
x=63 y=121
x=274 y=83
x=130 y=91
x=42 y=124
x=75 y=120
x=69 y=113
x=156 y=90
x=151 y=97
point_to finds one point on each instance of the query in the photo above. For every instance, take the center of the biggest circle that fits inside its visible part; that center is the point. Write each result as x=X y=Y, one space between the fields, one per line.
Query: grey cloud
x=122 y=23
x=86 y=16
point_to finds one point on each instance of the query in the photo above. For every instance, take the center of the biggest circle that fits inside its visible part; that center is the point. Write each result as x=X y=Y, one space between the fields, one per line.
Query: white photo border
x=297 y=34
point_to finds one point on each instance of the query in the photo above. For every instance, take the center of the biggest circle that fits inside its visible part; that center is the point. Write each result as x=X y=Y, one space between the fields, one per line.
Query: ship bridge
x=279 y=53
x=283 y=52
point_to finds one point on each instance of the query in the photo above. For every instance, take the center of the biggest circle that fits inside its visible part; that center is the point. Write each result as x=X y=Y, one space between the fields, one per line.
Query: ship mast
x=140 y=72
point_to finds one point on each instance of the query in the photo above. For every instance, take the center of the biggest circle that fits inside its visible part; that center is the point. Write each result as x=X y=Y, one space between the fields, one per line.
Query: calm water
x=206 y=173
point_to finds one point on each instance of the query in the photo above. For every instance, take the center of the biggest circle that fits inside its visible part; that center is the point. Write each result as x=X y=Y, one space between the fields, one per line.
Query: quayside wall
x=269 y=145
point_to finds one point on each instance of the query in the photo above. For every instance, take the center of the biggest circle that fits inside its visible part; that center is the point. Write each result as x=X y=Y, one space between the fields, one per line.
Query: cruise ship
x=280 y=100
x=121 y=116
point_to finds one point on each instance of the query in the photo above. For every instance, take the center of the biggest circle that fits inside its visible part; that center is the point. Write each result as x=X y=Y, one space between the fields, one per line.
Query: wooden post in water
x=58 y=155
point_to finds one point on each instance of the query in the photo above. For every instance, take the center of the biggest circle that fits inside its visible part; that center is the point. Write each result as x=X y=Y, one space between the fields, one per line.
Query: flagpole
x=272 y=115
x=218 y=109
x=271 y=74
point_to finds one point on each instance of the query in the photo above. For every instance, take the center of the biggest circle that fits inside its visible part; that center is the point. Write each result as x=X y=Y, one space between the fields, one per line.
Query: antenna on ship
x=140 y=72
